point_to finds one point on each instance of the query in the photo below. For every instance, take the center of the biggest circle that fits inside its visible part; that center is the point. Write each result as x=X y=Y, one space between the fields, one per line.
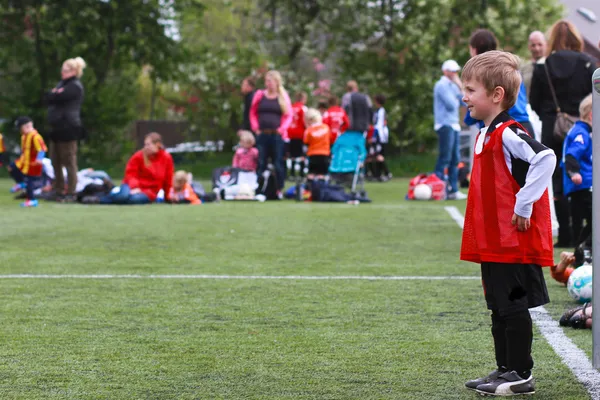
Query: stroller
x=347 y=162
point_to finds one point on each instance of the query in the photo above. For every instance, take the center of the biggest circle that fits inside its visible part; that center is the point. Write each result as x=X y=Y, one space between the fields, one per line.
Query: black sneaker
x=508 y=384
x=472 y=384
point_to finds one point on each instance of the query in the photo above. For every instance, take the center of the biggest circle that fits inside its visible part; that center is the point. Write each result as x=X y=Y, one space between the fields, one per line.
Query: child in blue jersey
x=577 y=170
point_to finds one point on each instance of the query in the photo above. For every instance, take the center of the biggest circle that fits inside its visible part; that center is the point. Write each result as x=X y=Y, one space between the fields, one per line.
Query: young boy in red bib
x=507 y=222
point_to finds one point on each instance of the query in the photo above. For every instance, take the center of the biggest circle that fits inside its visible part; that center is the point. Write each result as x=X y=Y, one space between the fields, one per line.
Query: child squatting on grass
x=507 y=221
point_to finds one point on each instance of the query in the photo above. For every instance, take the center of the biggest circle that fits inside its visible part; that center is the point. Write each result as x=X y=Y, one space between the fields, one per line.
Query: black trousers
x=581 y=211
x=510 y=290
x=513 y=336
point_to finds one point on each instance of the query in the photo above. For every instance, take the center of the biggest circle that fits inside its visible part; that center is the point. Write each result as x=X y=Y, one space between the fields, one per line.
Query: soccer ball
x=422 y=192
x=580 y=284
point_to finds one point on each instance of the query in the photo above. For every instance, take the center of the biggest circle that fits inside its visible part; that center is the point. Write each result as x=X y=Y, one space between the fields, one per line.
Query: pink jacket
x=246 y=159
x=286 y=119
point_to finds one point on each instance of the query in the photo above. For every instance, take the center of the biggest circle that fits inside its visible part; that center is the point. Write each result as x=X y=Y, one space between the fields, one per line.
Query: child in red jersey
x=507 y=222
x=336 y=118
x=295 y=161
x=27 y=170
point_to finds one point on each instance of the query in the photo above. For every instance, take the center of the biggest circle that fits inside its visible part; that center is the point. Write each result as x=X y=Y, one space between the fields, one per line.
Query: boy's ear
x=498 y=94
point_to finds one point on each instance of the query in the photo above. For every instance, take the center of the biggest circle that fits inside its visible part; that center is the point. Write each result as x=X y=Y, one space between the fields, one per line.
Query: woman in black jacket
x=64 y=116
x=571 y=73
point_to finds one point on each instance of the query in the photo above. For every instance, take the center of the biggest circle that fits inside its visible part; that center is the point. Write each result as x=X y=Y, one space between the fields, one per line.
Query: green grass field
x=249 y=338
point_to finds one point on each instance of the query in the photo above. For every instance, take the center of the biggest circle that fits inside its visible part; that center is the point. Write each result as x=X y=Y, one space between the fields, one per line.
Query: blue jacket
x=518 y=112
x=578 y=145
x=446 y=102
x=348 y=150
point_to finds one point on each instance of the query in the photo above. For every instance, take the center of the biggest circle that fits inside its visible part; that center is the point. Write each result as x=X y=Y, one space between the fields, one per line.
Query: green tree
x=116 y=38
x=396 y=47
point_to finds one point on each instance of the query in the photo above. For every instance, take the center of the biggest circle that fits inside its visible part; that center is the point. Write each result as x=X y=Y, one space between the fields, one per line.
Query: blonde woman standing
x=64 y=116
x=270 y=117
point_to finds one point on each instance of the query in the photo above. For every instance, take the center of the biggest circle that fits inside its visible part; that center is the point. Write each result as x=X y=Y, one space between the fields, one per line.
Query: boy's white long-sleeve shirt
x=530 y=163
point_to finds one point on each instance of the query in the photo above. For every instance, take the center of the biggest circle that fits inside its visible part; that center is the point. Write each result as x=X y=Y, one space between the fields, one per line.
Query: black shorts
x=318 y=165
x=380 y=149
x=296 y=148
x=512 y=288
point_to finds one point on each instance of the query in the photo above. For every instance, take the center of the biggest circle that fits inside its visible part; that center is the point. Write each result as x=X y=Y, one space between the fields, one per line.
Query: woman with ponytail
x=147 y=172
x=64 y=116
x=270 y=117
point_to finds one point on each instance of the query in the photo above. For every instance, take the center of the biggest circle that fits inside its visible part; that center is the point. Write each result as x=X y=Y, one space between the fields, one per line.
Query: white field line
x=456 y=215
x=242 y=277
x=571 y=355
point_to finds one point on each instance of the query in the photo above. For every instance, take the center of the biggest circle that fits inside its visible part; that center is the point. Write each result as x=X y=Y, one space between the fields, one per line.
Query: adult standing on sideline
x=270 y=118
x=537 y=49
x=248 y=90
x=568 y=71
x=480 y=42
x=447 y=94
x=64 y=116
x=358 y=107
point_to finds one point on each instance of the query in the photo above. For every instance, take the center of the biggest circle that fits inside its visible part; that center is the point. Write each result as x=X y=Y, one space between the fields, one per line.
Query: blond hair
x=495 y=69
x=281 y=92
x=585 y=108
x=248 y=138
x=564 y=36
x=76 y=64
x=181 y=177
x=312 y=116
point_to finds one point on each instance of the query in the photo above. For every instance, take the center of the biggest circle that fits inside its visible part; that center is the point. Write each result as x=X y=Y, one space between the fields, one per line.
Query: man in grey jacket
x=359 y=108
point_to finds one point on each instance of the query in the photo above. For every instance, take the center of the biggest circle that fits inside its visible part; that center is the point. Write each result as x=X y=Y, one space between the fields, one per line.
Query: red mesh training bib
x=488 y=234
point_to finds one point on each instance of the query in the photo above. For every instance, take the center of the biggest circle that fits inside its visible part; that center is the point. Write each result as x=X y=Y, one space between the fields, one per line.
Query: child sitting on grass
x=27 y=170
x=246 y=156
x=317 y=137
x=182 y=191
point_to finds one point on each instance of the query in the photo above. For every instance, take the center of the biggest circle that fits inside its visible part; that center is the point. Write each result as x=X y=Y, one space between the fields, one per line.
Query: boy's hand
x=522 y=223
x=576 y=179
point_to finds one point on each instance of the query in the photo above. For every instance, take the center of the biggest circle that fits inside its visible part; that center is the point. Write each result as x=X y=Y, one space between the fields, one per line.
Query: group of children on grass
x=312 y=135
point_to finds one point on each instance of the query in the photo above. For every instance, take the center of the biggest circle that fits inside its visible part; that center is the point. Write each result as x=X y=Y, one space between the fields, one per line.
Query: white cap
x=450 y=65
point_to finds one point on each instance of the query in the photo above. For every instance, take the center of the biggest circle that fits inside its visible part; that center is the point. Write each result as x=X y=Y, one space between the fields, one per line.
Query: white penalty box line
x=571 y=355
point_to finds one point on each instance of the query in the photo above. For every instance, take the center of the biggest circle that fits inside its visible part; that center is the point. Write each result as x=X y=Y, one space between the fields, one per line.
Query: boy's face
x=26 y=128
x=479 y=102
